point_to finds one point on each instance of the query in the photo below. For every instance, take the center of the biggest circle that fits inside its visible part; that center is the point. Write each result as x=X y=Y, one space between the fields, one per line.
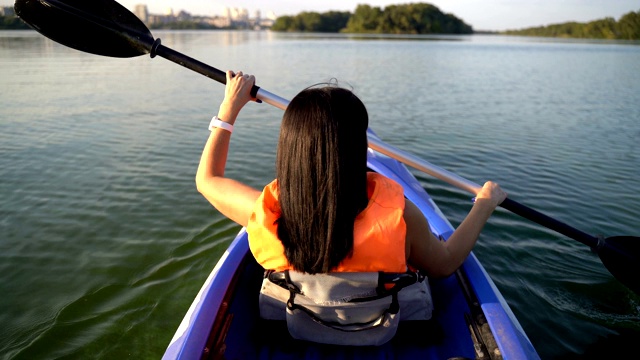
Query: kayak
x=470 y=319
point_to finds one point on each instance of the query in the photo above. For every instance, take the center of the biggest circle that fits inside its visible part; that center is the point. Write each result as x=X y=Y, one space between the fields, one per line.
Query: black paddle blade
x=101 y=27
x=621 y=256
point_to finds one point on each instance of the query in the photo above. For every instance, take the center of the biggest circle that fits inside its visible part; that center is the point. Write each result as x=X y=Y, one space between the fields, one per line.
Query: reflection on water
x=184 y=39
x=27 y=44
x=105 y=240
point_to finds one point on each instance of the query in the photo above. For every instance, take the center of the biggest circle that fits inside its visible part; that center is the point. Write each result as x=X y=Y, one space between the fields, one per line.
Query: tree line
x=13 y=23
x=627 y=28
x=417 y=18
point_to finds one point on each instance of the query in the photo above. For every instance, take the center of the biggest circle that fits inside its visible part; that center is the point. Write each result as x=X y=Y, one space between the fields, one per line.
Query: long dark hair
x=321 y=167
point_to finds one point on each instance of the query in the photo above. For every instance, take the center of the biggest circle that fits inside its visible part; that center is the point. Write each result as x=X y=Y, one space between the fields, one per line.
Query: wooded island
x=419 y=18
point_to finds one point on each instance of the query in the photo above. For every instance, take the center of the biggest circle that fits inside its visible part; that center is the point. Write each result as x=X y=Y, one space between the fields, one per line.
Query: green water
x=104 y=240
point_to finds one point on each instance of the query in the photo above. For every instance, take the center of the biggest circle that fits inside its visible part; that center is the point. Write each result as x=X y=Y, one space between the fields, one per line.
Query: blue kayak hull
x=223 y=320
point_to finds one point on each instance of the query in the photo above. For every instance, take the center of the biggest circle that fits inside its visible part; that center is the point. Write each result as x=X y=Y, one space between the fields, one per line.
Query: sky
x=481 y=14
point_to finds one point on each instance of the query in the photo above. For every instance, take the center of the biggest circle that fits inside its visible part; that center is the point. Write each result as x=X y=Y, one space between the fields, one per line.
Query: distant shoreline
x=626 y=28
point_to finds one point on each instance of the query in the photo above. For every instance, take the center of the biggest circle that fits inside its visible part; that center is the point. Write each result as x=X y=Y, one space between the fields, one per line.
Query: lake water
x=104 y=241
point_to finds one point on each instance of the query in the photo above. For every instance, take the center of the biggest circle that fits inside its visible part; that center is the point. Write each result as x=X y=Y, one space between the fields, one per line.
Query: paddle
x=104 y=27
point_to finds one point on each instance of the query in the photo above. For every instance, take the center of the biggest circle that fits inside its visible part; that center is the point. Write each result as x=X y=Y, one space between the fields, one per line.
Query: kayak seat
x=344 y=308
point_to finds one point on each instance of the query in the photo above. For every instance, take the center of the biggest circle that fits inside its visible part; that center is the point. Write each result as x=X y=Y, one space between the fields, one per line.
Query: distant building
x=7 y=11
x=183 y=16
x=220 y=21
x=142 y=12
x=237 y=18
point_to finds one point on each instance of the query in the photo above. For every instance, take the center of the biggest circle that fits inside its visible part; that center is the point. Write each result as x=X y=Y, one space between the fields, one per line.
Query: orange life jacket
x=379 y=230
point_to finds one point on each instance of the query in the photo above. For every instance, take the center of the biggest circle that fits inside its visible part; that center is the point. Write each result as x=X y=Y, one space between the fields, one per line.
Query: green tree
x=365 y=19
x=13 y=23
x=628 y=26
x=601 y=29
x=417 y=18
x=283 y=23
x=310 y=21
x=332 y=21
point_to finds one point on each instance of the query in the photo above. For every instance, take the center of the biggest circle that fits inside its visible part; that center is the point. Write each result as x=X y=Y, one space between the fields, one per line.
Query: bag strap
x=293 y=290
x=388 y=283
x=398 y=281
x=352 y=327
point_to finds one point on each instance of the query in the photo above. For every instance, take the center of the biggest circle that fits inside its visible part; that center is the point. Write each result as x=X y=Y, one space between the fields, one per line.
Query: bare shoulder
x=413 y=216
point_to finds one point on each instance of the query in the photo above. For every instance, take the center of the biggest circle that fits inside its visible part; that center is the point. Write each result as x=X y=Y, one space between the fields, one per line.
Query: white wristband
x=217 y=123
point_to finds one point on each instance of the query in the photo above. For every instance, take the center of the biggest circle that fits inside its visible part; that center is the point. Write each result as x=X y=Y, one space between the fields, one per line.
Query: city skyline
x=238 y=18
x=226 y=11
x=162 y=7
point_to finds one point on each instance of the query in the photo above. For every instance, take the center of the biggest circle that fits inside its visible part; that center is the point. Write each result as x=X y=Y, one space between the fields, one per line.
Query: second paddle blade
x=621 y=256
